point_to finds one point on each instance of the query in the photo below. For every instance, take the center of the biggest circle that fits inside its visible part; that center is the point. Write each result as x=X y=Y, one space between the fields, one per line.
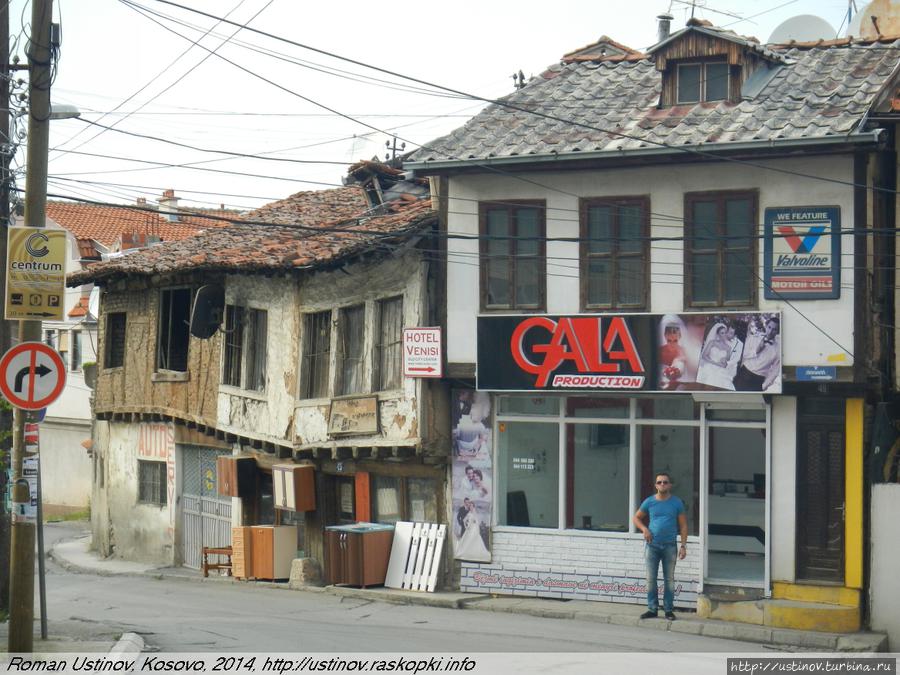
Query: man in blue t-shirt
x=665 y=516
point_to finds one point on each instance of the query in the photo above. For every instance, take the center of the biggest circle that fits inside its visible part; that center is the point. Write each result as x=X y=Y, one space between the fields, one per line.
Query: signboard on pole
x=32 y=375
x=35 y=274
x=422 y=353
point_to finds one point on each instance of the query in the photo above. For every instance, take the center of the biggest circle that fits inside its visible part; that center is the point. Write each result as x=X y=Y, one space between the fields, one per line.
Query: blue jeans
x=653 y=555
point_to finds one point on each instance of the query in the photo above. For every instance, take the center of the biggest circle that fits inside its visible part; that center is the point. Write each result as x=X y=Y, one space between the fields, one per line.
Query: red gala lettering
x=581 y=340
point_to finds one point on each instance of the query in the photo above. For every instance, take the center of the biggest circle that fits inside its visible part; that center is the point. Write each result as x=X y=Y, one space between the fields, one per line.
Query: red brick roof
x=105 y=224
x=262 y=247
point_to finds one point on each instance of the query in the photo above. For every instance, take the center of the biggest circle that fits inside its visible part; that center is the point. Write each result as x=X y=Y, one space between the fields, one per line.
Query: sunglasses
x=663 y=482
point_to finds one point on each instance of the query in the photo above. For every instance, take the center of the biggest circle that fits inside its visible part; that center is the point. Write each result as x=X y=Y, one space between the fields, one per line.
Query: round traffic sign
x=32 y=375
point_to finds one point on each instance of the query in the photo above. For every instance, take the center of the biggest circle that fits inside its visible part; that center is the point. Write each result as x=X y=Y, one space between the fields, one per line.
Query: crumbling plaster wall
x=399 y=411
x=265 y=415
x=136 y=387
x=122 y=526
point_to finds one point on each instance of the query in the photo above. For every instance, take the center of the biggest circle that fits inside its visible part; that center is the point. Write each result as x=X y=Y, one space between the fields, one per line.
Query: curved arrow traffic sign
x=32 y=375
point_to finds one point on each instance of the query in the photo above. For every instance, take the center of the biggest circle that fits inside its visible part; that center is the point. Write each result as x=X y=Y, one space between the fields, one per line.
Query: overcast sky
x=132 y=64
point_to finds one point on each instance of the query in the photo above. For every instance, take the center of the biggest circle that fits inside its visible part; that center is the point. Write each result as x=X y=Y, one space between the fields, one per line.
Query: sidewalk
x=73 y=554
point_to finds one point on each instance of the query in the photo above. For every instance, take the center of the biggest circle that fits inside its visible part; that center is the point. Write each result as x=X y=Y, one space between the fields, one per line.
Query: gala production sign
x=802 y=253
x=35 y=274
x=727 y=351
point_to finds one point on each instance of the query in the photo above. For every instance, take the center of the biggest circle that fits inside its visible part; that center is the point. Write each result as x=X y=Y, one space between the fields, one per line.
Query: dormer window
x=699 y=82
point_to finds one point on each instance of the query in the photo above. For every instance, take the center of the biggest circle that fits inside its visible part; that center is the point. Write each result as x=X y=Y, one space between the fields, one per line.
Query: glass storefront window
x=675 y=450
x=598 y=407
x=598 y=477
x=387 y=499
x=529 y=405
x=528 y=463
x=668 y=408
x=737 y=415
x=422 y=498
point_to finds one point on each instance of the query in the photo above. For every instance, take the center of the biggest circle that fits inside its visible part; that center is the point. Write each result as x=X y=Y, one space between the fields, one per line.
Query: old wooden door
x=820 y=499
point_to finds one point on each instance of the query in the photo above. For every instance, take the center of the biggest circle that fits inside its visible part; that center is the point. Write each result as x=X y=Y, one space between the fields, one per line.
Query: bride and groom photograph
x=723 y=352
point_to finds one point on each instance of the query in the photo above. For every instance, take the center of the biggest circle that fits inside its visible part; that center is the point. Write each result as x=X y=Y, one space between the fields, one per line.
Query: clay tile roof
x=105 y=224
x=810 y=93
x=81 y=309
x=286 y=240
x=313 y=208
x=597 y=51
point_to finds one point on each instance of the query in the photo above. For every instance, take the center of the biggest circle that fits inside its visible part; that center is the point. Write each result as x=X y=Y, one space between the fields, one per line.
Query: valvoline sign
x=803 y=252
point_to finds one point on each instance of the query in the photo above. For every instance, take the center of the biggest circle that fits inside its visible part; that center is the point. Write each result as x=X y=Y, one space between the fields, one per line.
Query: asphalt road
x=181 y=615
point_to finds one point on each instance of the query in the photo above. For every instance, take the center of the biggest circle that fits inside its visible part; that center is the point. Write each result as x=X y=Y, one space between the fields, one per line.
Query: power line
x=166 y=69
x=522 y=109
x=212 y=150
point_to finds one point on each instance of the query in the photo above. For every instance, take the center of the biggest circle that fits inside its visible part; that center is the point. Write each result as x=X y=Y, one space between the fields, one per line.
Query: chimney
x=664 y=27
x=168 y=205
x=141 y=201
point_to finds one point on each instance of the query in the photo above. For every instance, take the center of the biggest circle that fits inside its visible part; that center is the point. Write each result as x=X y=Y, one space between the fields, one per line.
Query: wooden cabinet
x=263 y=551
x=272 y=551
x=358 y=555
x=236 y=476
x=294 y=487
x=241 y=553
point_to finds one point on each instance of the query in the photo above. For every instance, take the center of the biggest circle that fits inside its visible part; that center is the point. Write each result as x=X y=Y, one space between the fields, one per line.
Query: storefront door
x=820 y=493
x=736 y=482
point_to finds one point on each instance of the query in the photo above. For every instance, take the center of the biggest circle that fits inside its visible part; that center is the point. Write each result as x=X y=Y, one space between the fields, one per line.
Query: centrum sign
x=35 y=273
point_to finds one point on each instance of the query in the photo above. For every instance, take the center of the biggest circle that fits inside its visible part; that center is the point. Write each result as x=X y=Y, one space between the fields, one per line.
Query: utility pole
x=21 y=570
x=5 y=337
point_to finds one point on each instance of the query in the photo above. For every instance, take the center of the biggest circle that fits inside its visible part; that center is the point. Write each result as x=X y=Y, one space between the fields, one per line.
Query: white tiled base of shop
x=576 y=566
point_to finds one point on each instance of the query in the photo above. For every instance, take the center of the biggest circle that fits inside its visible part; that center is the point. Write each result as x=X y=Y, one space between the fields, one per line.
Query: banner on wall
x=472 y=475
x=728 y=352
x=802 y=252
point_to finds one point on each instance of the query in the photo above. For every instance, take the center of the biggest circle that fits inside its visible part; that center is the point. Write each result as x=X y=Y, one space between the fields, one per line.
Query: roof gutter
x=869 y=137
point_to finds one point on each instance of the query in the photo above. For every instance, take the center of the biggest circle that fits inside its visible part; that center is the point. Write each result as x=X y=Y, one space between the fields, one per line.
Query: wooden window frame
x=146 y=485
x=721 y=197
x=585 y=256
x=240 y=348
x=171 y=332
x=703 y=80
x=511 y=205
x=308 y=380
x=340 y=386
x=379 y=348
x=108 y=351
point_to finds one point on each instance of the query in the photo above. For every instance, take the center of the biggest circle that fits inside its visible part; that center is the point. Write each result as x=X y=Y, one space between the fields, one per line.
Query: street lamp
x=63 y=111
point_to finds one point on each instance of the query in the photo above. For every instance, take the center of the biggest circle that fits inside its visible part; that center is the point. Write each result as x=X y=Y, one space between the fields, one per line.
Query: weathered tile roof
x=272 y=248
x=313 y=208
x=823 y=90
x=105 y=224
x=604 y=47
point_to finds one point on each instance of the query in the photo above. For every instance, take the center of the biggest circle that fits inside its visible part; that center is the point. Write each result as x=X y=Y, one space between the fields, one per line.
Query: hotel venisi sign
x=35 y=273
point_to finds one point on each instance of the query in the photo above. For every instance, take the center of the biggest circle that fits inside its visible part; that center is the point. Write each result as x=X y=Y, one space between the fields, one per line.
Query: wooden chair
x=223 y=551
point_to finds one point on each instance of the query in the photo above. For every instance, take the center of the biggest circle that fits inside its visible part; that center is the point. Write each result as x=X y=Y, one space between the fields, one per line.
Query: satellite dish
x=803 y=28
x=854 y=28
x=887 y=20
x=208 y=310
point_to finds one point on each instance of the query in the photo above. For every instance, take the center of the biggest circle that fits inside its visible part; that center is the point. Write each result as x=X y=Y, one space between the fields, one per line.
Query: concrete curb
x=129 y=643
x=688 y=624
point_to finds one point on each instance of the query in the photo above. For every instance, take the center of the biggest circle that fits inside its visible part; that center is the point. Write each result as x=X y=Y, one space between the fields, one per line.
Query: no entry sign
x=32 y=375
x=422 y=356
